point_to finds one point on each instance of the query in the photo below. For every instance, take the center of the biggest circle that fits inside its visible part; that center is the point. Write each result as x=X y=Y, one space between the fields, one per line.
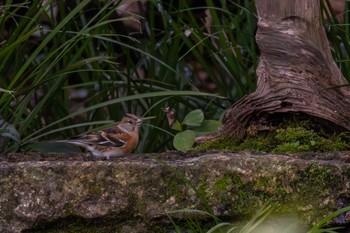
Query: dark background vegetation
x=67 y=68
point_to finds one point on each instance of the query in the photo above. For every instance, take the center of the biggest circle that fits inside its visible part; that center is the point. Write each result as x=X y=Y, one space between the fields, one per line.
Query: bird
x=117 y=140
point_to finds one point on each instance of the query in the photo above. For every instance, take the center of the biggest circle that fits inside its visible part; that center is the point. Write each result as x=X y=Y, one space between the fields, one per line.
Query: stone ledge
x=134 y=192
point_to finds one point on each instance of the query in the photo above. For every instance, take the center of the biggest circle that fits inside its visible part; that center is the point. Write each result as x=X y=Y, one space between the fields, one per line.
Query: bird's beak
x=139 y=122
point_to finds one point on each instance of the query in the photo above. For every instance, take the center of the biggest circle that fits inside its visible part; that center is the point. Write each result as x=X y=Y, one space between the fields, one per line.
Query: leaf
x=194 y=118
x=176 y=125
x=208 y=126
x=317 y=227
x=7 y=91
x=8 y=130
x=184 y=141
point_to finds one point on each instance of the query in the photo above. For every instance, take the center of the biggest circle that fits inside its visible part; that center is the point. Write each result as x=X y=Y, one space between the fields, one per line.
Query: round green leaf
x=194 y=118
x=208 y=126
x=184 y=140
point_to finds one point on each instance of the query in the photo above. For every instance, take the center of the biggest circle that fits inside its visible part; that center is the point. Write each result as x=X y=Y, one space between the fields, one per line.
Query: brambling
x=115 y=141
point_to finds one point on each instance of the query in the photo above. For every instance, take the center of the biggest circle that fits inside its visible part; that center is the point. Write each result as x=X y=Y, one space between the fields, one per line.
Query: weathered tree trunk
x=296 y=72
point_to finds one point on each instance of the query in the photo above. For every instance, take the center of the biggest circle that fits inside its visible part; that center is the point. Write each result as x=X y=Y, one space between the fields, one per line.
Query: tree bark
x=296 y=72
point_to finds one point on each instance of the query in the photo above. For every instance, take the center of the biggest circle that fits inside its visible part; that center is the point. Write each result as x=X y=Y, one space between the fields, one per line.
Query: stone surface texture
x=46 y=193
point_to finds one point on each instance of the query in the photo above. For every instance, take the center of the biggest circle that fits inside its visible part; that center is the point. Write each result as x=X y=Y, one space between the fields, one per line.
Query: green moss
x=241 y=197
x=173 y=187
x=257 y=143
x=69 y=208
x=224 y=143
x=221 y=184
x=292 y=147
x=316 y=180
x=227 y=182
x=289 y=136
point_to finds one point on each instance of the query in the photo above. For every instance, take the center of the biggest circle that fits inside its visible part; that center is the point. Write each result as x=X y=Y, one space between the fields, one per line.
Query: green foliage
x=53 y=52
x=185 y=140
x=7 y=130
x=208 y=126
x=193 y=224
x=338 y=35
x=194 y=118
x=320 y=227
x=264 y=221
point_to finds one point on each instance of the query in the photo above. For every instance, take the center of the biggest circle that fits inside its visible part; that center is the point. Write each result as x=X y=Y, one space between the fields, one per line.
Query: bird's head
x=130 y=123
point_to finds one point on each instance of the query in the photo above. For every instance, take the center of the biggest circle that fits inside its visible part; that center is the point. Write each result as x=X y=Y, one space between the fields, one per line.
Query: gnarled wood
x=296 y=72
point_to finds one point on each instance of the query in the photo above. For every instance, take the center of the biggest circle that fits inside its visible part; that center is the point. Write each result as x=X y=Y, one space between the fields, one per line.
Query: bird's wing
x=115 y=140
x=100 y=138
